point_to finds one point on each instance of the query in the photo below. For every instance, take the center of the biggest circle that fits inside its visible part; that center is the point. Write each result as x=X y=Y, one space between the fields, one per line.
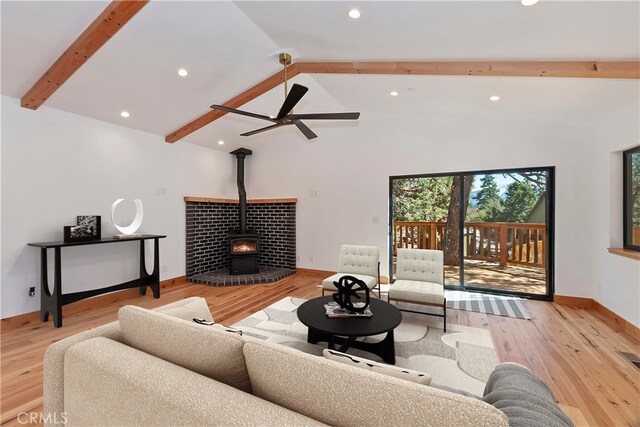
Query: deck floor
x=492 y=276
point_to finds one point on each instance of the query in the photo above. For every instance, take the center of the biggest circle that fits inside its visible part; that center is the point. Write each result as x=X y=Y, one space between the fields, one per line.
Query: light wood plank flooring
x=574 y=350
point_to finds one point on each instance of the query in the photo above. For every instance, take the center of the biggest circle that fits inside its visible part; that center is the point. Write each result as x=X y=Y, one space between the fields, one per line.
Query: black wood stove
x=244 y=245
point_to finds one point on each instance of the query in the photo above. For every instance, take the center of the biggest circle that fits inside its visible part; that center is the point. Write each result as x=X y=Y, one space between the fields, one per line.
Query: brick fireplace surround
x=208 y=221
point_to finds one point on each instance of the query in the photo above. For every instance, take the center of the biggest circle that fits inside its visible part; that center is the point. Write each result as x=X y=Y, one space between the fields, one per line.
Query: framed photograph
x=87 y=228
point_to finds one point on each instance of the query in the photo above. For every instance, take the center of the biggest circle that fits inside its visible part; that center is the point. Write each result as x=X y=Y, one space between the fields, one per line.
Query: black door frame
x=550 y=217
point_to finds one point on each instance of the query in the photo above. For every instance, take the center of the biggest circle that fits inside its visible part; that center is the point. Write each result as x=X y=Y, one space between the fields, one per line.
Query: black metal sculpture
x=348 y=287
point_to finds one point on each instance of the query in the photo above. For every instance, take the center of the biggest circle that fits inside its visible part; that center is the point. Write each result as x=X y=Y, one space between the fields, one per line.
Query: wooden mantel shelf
x=625 y=253
x=219 y=200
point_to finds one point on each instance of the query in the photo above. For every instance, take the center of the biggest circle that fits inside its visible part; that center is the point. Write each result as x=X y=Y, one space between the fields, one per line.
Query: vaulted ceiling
x=230 y=46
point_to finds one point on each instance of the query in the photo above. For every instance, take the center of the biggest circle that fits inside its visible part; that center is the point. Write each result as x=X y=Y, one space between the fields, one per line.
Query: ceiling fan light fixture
x=354 y=14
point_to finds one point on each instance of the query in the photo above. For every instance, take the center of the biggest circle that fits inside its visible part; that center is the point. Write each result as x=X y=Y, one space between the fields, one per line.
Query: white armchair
x=361 y=262
x=420 y=280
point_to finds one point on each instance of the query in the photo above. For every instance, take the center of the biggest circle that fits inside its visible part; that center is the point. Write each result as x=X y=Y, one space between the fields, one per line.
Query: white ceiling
x=229 y=46
x=451 y=29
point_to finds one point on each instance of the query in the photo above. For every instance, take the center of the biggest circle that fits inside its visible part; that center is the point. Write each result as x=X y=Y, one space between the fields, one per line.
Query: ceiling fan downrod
x=285 y=59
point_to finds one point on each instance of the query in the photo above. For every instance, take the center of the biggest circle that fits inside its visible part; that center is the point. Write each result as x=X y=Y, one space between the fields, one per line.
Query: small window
x=631 y=185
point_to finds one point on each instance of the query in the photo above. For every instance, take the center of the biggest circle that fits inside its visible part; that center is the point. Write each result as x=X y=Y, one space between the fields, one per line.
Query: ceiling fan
x=285 y=115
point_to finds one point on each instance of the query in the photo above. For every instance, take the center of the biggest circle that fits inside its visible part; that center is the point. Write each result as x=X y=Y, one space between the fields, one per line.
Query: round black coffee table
x=345 y=330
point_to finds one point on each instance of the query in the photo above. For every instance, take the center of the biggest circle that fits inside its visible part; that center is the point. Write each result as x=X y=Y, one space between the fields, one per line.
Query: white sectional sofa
x=161 y=368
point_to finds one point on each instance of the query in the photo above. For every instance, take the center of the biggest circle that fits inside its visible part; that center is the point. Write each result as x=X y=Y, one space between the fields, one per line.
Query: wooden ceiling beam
x=236 y=102
x=576 y=69
x=108 y=23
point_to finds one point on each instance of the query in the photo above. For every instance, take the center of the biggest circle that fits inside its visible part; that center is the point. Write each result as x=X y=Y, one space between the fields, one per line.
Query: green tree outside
x=520 y=199
x=635 y=189
x=421 y=199
x=489 y=191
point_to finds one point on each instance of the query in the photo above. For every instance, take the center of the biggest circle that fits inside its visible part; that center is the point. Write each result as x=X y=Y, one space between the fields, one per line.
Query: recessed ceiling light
x=494 y=98
x=124 y=114
x=393 y=93
x=221 y=142
x=354 y=13
x=182 y=72
x=528 y=2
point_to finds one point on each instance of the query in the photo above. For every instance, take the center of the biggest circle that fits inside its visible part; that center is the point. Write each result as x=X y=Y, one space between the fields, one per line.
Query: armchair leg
x=379 y=287
x=445 y=315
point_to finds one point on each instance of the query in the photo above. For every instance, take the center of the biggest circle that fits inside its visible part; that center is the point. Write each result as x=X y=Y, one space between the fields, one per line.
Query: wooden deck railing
x=501 y=242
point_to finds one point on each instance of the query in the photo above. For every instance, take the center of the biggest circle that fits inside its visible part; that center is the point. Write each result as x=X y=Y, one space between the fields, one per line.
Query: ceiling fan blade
x=243 y=113
x=295 y=95
x=253 y=132
x=305 y=129
x=325 y=116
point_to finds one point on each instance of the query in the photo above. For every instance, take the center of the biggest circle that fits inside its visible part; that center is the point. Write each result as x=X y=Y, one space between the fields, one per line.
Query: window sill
x=625 y=253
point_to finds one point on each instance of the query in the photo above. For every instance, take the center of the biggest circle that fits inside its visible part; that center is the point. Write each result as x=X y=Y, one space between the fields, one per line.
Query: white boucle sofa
x=161 y=368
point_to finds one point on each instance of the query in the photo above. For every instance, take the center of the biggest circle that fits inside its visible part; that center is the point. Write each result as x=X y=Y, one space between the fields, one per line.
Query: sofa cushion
x=111 y=384
x=53 y=378
x=187 y=309
x=207 y=350
x=340 y=395
x=523 y=397
x=370 y=365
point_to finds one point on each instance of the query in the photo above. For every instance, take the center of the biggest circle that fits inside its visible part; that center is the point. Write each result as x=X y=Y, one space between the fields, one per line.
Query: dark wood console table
x=52 y=302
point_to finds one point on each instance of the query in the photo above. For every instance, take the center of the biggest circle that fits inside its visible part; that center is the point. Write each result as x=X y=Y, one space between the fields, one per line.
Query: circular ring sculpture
x=137 y=221
x=348 y=287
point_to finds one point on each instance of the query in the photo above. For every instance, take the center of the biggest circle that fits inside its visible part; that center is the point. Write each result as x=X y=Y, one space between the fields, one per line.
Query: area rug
x=486 y=303
x=461 y=358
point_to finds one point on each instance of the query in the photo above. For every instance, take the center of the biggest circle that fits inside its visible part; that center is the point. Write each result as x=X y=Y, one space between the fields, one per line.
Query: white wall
x=617 y=279
x=56 y=165
x=350 y=168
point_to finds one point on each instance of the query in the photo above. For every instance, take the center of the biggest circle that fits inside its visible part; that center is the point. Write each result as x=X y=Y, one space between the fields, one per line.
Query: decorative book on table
x=333 y=310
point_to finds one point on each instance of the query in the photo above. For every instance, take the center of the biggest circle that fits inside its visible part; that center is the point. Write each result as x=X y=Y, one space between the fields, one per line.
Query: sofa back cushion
x=341 y=395
x=207 y=350
x=112 y=384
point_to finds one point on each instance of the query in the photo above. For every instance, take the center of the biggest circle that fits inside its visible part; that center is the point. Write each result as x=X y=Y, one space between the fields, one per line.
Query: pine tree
x=520 y=199
x=489 y=191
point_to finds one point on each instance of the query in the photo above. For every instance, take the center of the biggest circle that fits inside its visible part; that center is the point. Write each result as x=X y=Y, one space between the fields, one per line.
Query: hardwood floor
x=574 y=350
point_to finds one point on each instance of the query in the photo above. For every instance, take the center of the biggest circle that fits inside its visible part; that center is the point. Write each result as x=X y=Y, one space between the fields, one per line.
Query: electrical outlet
x=298 y=258
x=311 y=259
x=313 y=193
x=161 y=191
x=376 y=220
x=32 y=291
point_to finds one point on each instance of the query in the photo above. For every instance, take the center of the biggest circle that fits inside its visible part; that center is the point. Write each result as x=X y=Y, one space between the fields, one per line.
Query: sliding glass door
x=494 y=227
